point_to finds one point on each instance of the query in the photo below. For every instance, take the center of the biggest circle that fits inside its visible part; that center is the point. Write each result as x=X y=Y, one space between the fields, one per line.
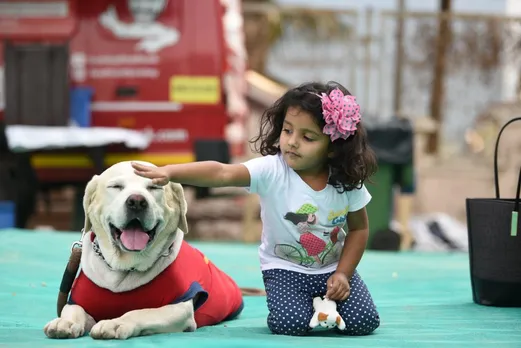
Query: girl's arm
x=202 y=174
x=355 y=242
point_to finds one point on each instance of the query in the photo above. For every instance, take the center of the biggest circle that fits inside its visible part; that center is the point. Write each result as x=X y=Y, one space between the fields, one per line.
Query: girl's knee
x=361 y=326
x=288 y=325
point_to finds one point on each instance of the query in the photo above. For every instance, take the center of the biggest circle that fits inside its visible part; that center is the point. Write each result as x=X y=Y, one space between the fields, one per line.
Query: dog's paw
x=110 y=329
x=62 y=328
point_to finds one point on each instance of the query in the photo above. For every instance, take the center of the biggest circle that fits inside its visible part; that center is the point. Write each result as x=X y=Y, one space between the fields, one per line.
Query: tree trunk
x=438 y=87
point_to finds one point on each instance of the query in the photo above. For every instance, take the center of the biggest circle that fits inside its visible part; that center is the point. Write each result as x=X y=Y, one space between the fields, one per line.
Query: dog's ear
x=88 y=197
x=179 y=196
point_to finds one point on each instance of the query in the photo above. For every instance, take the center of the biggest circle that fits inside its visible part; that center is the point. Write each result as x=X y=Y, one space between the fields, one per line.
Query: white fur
x=326 y=308
x=103 y=204
x=99 y=272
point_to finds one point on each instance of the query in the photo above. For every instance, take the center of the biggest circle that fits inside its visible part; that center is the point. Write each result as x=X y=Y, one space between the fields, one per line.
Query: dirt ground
x=443 y=185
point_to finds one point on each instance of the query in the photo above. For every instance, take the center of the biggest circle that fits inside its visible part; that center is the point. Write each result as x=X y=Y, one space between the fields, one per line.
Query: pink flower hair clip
x=341 y=113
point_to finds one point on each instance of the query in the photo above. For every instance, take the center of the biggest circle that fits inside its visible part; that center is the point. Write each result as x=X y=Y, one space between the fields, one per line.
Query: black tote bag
x=495 y=244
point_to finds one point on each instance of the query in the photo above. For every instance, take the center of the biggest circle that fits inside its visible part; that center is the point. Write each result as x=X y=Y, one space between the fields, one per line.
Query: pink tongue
x=134 y=239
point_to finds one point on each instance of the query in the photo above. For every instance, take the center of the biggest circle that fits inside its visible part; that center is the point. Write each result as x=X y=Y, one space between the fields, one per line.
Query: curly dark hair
x=352 y=160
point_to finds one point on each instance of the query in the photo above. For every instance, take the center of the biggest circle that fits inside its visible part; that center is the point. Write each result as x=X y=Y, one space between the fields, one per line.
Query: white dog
x=138 y=276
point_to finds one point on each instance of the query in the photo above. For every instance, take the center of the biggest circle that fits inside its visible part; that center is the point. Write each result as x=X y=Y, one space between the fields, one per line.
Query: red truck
x=171 y=68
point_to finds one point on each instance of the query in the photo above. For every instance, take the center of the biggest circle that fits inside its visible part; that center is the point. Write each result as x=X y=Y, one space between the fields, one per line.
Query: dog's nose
x=136 y=202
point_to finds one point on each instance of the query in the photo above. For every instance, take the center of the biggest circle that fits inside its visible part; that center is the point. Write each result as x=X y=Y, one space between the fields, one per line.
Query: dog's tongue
x=134 y=239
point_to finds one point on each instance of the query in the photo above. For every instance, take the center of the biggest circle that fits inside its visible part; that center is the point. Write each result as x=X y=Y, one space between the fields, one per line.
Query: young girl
x=310 y=180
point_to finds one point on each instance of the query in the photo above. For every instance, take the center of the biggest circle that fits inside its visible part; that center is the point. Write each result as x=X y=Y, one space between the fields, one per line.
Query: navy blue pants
x=290 y=303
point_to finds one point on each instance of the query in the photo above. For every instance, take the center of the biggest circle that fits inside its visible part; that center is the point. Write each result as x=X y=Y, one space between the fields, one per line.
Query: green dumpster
x=392 y=142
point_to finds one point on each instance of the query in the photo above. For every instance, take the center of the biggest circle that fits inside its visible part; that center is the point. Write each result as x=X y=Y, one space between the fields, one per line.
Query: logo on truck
x=152 y=35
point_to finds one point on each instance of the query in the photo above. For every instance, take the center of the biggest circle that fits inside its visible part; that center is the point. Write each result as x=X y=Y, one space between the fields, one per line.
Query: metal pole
x=398 y=63
x=437 y=92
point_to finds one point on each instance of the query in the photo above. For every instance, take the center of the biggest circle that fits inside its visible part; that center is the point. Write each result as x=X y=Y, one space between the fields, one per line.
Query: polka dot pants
x=290 y=303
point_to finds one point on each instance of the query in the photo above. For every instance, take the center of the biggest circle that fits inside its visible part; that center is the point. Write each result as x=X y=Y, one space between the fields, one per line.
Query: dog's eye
x=154 y=188
x=116 y=187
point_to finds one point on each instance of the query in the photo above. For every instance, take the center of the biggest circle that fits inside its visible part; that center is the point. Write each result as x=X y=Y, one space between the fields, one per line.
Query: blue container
x=80 y=100
x=7 y=214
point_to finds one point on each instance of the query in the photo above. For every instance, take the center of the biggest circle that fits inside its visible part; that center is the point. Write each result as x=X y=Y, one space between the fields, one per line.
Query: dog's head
x=134 y=220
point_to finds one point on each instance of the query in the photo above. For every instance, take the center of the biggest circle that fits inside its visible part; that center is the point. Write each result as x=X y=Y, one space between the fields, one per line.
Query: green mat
x=424 y=301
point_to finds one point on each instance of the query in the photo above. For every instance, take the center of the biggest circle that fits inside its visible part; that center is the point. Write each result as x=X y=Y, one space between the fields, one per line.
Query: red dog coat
x=219 y=298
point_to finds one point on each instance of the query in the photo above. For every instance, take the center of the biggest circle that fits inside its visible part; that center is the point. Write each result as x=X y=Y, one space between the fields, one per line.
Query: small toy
x=326 y=314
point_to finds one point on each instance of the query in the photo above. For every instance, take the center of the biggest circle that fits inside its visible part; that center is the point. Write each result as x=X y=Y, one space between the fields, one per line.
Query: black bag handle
x=515 y=212
x=496 y=170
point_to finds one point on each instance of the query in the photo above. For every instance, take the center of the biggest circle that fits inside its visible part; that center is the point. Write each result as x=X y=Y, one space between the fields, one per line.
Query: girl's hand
x=159 y=175
x=338 y=288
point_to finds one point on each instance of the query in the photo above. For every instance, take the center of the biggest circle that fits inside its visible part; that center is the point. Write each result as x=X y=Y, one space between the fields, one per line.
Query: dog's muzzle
x=136 y=203
x=137 y=207
x=134 y=235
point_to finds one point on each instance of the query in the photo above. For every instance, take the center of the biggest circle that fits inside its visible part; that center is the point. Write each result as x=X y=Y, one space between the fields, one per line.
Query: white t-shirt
x=302 y=228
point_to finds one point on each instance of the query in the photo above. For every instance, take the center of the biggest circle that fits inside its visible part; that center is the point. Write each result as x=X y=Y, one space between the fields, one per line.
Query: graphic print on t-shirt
x=317 y=246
